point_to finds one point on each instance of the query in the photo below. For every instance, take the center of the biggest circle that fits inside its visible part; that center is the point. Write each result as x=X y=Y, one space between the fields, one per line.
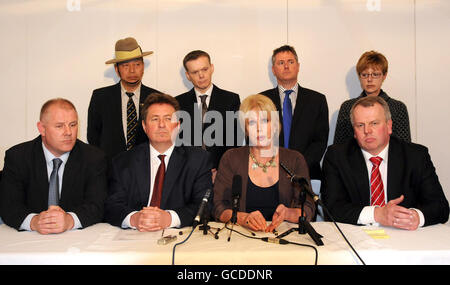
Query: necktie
x=204 y=109
x=287 y=117
x=131 y=121
x=53 y=189
x=376 y=183
x=159 y=182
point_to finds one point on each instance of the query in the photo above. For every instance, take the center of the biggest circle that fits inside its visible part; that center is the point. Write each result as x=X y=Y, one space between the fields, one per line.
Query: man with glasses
x=372 y=68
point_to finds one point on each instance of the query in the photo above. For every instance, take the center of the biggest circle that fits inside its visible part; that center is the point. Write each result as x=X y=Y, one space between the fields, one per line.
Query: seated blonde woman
x=267 y=192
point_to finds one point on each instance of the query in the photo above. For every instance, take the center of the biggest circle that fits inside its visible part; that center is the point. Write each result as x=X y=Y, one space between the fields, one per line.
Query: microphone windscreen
x=237 y=185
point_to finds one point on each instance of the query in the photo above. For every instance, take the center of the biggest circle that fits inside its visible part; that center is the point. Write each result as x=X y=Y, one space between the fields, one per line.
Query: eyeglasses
x=375 y=75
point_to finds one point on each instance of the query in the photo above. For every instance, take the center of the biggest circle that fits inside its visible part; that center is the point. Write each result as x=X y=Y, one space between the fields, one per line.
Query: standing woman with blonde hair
x=267 y=192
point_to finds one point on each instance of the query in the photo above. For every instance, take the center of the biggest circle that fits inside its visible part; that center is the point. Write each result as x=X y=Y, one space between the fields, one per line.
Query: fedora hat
x=127 y=49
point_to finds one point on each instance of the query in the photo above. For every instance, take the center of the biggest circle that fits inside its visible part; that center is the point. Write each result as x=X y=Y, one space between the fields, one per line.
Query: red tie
x=376 y=184
x=159 y=181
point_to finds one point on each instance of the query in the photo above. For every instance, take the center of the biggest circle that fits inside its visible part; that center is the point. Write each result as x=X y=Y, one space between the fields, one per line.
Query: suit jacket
x=105 y=127
x=187 y=178
x=399 y=112
x=346 y=191
x=220 y=101
x=309 y=128
x=24 y=185
x=235 y=162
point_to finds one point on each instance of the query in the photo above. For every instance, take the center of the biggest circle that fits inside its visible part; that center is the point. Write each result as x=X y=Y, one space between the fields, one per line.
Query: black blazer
x=345 y=189
x=309 y=129
x=221 y=101
x=187 y=178
x=24 y=185
x=104 y=126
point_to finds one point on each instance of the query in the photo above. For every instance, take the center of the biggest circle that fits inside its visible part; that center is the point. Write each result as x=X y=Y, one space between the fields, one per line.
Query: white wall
x=57 y=48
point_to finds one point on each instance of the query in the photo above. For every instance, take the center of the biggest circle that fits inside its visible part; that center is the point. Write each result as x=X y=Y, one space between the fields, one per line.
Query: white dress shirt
x=367 y=215
x=49 y=162
x=208 y=98
x=154 y=165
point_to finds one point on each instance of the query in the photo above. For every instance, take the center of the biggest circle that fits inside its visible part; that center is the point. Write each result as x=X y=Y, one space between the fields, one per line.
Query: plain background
x=57 y=48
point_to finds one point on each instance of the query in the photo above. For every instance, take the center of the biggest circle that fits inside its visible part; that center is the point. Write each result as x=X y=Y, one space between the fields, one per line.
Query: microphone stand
x=304 y=227
x=204 y=227
x=233 y=219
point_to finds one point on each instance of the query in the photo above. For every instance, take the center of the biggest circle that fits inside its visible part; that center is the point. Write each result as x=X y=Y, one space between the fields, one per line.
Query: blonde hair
x=261 y=103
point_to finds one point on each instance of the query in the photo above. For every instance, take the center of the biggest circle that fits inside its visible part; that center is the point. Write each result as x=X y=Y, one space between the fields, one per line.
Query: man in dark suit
x=217 y=102
x=378 y=178
x=143 y=194
x=114 y=111
x=55 y=182
x=305 y=126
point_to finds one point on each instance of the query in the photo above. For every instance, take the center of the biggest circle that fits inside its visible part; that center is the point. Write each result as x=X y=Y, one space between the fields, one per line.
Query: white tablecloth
x=105 y=244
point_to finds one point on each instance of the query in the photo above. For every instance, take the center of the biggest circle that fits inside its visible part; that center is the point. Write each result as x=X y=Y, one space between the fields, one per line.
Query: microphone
x=236 y=192
x=303 y=183
x=201 y=208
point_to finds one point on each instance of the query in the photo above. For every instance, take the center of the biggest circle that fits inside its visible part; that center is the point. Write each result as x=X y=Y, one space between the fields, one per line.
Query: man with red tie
x=157 y=185
x=376 y=178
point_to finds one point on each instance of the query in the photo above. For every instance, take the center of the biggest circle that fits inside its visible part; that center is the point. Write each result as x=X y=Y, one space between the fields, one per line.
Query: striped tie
x=376 y=183
x=131 y=121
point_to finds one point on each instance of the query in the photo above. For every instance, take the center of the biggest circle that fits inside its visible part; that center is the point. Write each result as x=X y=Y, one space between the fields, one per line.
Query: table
x=105 y=244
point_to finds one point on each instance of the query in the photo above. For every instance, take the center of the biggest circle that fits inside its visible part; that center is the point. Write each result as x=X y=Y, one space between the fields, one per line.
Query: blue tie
x=287 y=117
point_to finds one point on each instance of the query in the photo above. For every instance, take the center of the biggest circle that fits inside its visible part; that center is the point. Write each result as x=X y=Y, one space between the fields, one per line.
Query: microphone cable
x=349 y=244
x=279 y=241
x=173 y=251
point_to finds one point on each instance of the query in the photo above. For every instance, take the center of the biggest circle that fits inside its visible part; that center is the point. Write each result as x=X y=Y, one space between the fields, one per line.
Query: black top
x=263 y=199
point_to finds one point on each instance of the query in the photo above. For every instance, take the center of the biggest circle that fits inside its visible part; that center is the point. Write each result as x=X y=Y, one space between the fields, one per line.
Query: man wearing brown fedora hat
x=113 y=115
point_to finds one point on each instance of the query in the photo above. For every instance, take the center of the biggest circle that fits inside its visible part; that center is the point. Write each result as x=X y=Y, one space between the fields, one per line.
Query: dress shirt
x=367 y=215
x=49 y=161
x=207 y=92
x=154 y=165
x=124 y=98
x=292 y=96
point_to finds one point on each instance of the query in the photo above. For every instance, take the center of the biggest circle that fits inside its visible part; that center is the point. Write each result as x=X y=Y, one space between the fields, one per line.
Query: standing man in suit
x=379 y=178
x=114 y=111
x=55 y=182
x=158 y=185
x=203 y=98
x=303 y=112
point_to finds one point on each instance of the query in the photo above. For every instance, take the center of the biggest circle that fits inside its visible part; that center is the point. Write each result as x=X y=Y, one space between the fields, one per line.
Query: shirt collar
x=136 y=92
x=207 y=92
x=383 y=154
x=154 y=153
x=281 y=89
x=50 y=156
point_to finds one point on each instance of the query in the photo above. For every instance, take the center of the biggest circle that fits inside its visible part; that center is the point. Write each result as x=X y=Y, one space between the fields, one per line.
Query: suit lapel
x=214 y=102
x=394 y=171
x=71 y=172
x=40 y=170
x=116 y=112
x=174 y=167
x=359 y=173
x=302 y=100
x=143 y=172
